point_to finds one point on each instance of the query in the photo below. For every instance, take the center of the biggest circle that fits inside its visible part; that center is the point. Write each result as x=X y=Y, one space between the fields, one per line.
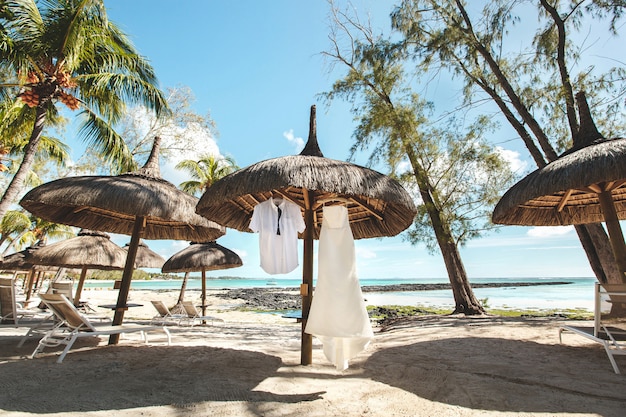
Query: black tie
x=278 y=221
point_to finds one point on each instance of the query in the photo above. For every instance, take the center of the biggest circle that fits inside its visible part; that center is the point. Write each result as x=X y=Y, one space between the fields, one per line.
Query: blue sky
x=256 y=66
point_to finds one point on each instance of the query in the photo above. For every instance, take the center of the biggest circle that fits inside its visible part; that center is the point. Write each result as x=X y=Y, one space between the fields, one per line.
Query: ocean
x=569 y=293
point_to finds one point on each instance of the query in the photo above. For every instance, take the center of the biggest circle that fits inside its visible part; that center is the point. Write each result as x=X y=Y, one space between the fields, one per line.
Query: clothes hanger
x=277 y=198
x=334 y=199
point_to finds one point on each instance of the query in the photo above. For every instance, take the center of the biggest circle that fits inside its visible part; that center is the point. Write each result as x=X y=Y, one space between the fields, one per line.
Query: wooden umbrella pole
x=615 y=231
x=306 y=350
x=204 y=292
x=127 y=276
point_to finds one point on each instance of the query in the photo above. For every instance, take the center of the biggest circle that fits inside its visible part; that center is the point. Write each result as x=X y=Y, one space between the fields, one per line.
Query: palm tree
x=67 y=51
x=205 y=172
x=20 y=230
x=13 y=226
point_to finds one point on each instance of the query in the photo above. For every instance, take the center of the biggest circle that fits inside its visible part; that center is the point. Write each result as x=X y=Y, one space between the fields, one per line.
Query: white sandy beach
x=249 y=365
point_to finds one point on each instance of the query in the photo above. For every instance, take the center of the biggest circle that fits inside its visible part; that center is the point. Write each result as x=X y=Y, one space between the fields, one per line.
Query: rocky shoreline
x=273 y=299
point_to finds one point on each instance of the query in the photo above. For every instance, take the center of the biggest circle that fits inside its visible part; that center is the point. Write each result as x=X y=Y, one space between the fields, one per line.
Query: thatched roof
x=566 y=190
x=146 y=257
x=112 y=203
x=90 y=249
x=22 y=260
x=202 y=256
x=377 y=204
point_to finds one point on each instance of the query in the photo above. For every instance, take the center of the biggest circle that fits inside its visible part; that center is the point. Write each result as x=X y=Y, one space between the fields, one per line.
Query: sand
x=249 y=365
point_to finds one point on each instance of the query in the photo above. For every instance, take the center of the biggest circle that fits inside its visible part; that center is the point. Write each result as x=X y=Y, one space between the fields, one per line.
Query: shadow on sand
x=503 y=375
x=179 y=376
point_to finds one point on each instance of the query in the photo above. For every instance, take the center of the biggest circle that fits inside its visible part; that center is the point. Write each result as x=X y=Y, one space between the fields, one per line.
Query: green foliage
x=205 y=172
x=446 y=161
x=69 y=52
x=521 y=63
x=178 y=130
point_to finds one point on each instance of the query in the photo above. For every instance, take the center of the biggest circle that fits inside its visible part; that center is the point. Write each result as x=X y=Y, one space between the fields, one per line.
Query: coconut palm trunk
x=17 y=183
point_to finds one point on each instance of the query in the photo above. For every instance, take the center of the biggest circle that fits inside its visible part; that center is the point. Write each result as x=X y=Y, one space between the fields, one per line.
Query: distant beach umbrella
x=140 y=204
x=202 y=257
x=146 y=257
x=587 y=184
x=88 y=250
x=377 y=204
x=20 y=261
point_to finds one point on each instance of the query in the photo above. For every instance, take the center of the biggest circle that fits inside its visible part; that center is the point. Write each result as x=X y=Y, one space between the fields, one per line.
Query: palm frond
x=100 y=135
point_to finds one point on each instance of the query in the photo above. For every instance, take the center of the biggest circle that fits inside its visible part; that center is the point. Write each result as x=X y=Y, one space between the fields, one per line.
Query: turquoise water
x=576 y=293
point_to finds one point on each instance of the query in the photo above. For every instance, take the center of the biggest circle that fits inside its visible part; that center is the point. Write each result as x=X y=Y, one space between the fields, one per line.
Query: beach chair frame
x=72 y=325
x=613 y=339
x=195 y=315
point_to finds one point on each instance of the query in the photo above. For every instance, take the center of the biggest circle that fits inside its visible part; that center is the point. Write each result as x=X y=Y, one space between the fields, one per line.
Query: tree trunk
x=464 y=300
x=183 y=287
x=17 y=183
x=599 y=253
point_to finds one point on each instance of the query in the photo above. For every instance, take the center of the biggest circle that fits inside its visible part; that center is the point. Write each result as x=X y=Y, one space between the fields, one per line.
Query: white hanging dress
x=338 y=316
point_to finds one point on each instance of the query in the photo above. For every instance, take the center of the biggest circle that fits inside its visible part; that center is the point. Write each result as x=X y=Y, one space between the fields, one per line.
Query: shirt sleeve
x=298 y=221
x=255 y=225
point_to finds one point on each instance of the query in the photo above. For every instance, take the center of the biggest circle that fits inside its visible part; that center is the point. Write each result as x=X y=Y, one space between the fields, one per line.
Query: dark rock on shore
x=273 y=299
x=265 y=298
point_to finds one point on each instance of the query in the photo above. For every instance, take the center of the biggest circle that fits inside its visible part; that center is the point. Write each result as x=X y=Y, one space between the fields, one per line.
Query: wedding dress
x=338 y=316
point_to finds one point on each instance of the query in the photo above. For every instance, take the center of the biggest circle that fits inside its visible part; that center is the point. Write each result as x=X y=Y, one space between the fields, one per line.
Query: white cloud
x=200 y=142
x=549 y=231
x=365 y=253
x=298 y=142
x=513 y=159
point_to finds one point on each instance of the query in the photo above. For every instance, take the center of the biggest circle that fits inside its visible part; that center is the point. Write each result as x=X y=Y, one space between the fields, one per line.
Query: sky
x=257 y=67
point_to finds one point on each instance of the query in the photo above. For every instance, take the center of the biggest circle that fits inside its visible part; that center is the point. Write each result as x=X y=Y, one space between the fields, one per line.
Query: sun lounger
x=72 y=325
x=194 y=315
x=165 y=316
x=612 y=338
x=11 y=312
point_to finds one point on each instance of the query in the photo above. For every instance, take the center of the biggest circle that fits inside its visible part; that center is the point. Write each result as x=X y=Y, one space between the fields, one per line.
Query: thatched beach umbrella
x=19 y=261
x=139 y=204
x=88 y=250
x=146 y=257
x=586 y=184
x=377 y=204
x=22 y=261
x=208 y=256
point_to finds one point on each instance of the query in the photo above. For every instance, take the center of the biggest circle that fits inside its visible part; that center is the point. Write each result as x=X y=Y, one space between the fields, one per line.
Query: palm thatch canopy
x=112 y=204
x=139 y=203
x=377 y=204
x=202 y=256
x=207 y=256
x=567 y=190
x=89 y=249
x=146 y=257
x=20 y=261
x=587 y=184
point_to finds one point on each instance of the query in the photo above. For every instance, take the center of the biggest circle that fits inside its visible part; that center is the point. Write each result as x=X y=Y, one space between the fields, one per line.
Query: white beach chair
x=73 y=325
x=612 y=337
x=11 y=312
x=194 y=315
x=165 y=316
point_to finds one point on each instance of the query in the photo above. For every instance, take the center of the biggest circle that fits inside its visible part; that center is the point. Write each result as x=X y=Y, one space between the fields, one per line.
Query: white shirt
x=278 y=240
